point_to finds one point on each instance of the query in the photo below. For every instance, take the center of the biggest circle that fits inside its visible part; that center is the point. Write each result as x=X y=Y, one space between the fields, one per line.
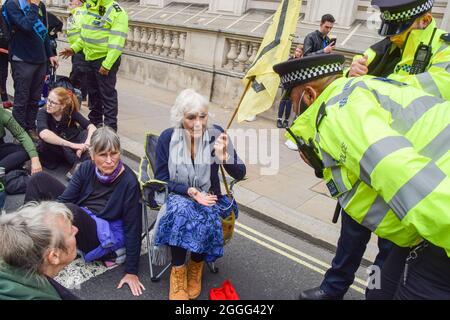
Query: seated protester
x=188 y=157
x=64 y=133
x=36 y=243
x=13 y=156
x=104 y=197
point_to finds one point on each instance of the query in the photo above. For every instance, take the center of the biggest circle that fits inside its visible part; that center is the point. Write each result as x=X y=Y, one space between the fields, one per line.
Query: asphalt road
x=262 y=262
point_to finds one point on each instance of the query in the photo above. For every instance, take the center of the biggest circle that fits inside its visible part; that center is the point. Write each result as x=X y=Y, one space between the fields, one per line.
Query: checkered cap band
x=408 y=14
x=310 y=73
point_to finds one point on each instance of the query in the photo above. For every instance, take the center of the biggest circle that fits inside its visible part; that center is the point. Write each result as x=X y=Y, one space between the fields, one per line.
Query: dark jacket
x=123 y=204
x=314 y=43
x=25 y=44
x=236 y=169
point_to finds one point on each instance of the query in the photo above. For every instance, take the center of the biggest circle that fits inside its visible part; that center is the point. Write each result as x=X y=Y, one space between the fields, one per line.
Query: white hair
x=187 y=101
x=26 y=234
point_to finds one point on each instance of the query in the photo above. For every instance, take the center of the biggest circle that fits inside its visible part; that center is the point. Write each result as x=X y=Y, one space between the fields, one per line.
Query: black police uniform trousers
x=351 y=246
x=427 y=277
x=103 y=104
x=28 y=83
x=78 y=75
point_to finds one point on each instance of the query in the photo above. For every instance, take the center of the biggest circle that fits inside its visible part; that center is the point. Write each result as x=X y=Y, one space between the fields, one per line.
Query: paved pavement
x=282 y=190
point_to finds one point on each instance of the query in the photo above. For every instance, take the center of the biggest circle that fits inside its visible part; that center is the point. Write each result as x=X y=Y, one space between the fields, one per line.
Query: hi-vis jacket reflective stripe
x=74 y=23
x=437 y=77
x=102 y=35
x=386 y=148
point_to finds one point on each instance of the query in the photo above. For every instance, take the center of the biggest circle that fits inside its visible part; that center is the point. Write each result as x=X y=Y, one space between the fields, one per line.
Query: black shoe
x=286 y=123
x=316 y=294
x=279 y=124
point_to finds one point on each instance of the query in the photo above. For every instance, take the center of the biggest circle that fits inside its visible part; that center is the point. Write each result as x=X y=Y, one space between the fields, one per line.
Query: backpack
x=63 y=81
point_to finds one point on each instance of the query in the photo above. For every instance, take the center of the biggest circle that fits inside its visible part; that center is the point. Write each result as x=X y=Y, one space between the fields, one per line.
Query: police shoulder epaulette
x=446 y=37
x=117 y=7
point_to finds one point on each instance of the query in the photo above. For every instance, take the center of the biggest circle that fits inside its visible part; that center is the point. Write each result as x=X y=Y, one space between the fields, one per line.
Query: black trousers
x=179 y=256
x=428 y=276
x=43 y=186
x=350 y=250
x=78 y=75
x=103 y=103
x=4 y=61
x=12 y=156
x=53 y=155
x=28 y=83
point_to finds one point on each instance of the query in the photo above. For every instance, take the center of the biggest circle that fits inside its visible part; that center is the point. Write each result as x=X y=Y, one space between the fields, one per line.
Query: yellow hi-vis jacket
x=74 y=23
x=102 y=36
x=437 y=77
x=385 y=147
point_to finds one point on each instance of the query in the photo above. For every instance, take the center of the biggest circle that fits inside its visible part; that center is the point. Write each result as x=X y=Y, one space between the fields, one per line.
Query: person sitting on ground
x=36 y=243
x=285 y=106
x=104 y=196
x=187 y=158
x=64 y=133
x=13 y=156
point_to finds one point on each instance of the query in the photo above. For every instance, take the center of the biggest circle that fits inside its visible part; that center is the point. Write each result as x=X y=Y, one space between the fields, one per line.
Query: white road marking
x=291 y=257
x=298 y=252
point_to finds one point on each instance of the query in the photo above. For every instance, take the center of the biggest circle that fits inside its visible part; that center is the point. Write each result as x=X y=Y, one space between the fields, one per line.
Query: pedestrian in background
x=30 y=51
x=285 y=106
x=318 y=42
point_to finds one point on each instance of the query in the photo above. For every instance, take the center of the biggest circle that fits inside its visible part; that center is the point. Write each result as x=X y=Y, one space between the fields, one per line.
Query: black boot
x=279 y=123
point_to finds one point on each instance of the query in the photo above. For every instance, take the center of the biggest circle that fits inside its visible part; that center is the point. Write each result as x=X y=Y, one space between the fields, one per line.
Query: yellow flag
x=274 y=49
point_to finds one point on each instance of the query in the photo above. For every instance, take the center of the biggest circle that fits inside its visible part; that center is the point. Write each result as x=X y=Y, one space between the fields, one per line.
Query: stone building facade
x=209 y=44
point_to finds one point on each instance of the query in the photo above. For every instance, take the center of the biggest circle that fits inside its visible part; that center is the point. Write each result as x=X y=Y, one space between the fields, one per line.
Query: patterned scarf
x=181 y=168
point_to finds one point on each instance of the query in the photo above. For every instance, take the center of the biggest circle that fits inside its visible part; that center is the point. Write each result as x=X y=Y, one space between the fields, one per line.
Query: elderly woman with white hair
x=36 y=243
x=187 y=158
x=104 y=196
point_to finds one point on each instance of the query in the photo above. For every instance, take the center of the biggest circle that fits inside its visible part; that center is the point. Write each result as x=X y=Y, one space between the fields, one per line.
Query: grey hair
x=28 y=233
x=104 y=139
x=187 y=101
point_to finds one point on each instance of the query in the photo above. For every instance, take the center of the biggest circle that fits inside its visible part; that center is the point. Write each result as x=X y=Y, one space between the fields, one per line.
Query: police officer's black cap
x=398 y=15
x=295 y=72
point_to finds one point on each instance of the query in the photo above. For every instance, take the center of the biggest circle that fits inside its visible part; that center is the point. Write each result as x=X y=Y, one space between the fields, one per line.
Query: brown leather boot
x=194 y=278
x=178 y=284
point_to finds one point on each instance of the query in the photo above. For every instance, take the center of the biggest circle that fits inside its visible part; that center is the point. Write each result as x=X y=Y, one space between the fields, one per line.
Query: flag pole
x=222 y=171
x=237 y=108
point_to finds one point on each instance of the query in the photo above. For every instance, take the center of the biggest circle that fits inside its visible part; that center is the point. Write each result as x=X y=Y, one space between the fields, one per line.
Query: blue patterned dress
x=194 y=227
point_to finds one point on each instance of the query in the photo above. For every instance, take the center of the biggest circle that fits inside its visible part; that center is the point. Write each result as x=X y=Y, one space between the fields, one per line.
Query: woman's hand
x=202 y=198
x=78 y=146
x=35 y=165
x=80 y=152
x=133 y=282
x=221 y=147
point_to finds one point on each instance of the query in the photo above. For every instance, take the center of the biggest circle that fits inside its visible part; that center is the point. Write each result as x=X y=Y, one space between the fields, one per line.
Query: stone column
x=230 y=7
x=155 y=3
x=445 y=24
x=344 y=11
